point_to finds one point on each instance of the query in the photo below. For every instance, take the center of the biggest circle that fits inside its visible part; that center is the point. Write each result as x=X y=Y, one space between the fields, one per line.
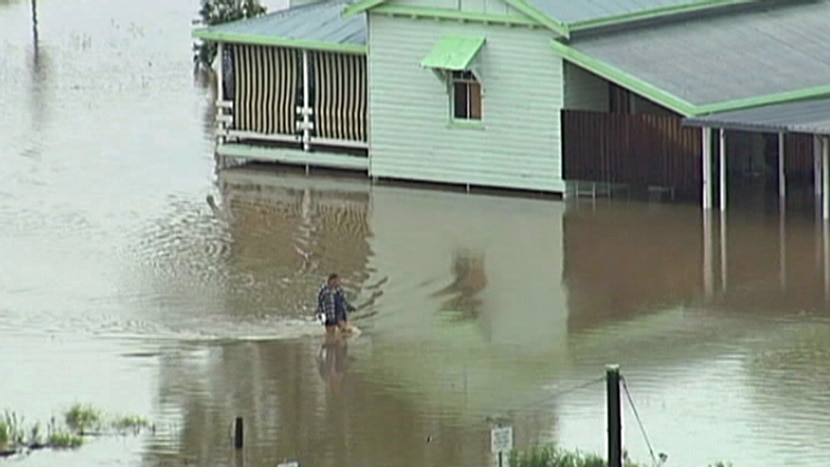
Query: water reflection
x=473 y=306
x=469 y=278
x=331 y=362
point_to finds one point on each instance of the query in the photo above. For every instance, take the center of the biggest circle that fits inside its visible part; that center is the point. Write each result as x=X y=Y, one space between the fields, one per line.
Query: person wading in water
x=333 y=307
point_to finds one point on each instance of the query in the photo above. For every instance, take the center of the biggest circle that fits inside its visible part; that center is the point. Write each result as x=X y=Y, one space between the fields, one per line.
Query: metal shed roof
x=723 y=58
x=811 y=116
x=317 y=25
x=573 y=11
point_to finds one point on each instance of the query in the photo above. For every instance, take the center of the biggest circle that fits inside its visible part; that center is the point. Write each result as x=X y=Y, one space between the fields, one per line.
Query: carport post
x=722 y=148
x=706 y=154
x=782 y=178
x=817 y=165
x=825 y=190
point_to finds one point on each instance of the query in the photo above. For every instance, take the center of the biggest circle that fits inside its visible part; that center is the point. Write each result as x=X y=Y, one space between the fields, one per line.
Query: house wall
x=409 y=108
x=585 y=90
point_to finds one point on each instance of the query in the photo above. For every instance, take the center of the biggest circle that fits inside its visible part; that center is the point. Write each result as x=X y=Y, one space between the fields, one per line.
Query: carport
x=811 y=117
x=801 y=117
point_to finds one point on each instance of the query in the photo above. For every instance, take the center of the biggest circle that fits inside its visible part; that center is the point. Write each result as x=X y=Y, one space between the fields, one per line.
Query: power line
x=639 y=422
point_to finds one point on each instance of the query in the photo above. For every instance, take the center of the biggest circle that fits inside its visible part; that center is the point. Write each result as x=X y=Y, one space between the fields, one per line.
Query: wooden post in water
x=238 y=433
x=34 y=29
x=612 y=377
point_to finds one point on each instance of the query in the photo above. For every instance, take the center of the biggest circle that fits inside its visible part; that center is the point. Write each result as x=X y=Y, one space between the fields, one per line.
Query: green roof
x=453 y=53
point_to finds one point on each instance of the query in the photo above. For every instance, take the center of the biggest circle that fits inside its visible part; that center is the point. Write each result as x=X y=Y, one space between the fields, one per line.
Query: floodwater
x=121 y=288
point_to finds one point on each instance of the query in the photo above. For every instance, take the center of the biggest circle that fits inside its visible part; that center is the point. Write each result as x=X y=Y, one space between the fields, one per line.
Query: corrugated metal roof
x=724 y=58
x=318 y=22
x=798 y=117
x=570 y=11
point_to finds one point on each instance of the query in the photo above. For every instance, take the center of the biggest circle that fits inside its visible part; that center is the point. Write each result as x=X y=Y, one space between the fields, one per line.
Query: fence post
x=612 y=377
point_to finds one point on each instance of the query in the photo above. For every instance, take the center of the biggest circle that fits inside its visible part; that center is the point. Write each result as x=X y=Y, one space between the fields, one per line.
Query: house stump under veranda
x=679 y=96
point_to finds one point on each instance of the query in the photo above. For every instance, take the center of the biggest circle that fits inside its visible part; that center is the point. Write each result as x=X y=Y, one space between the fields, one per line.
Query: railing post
x=612 y=377
x=220 y=92
x=306 y=107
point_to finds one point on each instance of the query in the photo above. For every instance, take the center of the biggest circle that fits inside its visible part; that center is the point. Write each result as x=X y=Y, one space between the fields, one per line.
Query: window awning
x=454 y=53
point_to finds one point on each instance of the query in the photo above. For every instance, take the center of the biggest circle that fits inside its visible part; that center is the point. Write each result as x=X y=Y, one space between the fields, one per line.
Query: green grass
x=79 y=422
x=4 y=435
x=130 y=423
x=553 y=456
x=83 y=419
x=11 y=430
x=65 y=440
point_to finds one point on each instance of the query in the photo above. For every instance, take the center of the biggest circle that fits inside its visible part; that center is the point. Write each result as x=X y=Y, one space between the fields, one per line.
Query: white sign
x=501 y=439
x=289 y=464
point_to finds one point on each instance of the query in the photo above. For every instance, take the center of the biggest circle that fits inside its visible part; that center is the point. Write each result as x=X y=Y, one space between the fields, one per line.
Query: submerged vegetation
x=553 y=456
x=79 y=422
x=83 y=418
x=215 y=12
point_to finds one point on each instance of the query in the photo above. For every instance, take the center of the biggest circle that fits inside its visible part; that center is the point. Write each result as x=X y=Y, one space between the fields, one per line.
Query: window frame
x=469 y=80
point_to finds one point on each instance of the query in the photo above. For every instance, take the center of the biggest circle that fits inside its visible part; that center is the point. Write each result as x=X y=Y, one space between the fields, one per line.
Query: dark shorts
x=338 y=316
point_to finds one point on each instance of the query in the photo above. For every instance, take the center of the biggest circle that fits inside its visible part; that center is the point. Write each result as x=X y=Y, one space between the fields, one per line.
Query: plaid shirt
x=332 y=303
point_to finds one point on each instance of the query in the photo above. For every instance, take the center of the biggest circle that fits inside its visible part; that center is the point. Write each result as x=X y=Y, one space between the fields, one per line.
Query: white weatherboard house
x=529 y=94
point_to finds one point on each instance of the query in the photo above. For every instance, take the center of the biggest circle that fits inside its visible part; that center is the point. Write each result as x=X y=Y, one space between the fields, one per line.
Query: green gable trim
x=521 y=6
x=623 y=79
x=206 y=34
x=455 y=15
x=454 y=53
x=769 y=99
x=651 y=14
x=360 y=6
x=672 y=102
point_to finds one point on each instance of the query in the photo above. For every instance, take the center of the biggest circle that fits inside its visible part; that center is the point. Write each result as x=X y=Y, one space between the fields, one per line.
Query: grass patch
x=65 y=440
x=4 y=435
x=132 y=423
x=79 y=422
x=83 y=419
x=11 y=430
x=553 y=456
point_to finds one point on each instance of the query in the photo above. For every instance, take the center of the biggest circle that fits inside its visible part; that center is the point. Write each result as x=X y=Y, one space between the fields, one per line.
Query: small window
x=466 y=96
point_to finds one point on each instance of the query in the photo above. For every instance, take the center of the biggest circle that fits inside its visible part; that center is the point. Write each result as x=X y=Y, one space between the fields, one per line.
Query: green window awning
x=453 y=53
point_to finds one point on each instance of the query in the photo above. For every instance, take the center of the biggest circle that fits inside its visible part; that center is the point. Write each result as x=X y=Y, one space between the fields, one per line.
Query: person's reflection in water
x=331 y=361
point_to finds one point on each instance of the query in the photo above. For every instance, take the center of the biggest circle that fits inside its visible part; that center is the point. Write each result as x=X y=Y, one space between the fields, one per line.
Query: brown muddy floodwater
x=119 y=287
